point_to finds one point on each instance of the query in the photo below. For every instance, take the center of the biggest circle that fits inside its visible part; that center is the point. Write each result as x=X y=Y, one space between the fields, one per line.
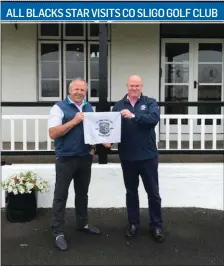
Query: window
x=93 y=70
x=74 y=61
x=49 y=70
x=67 y=51
x=74 y=31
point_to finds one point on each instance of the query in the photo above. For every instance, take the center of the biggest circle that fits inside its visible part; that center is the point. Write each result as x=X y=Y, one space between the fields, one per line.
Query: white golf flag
x=102 y=127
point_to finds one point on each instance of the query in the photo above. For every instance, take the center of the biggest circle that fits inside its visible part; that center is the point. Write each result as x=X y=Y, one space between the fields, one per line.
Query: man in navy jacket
x=73 y=160
x=139 y=156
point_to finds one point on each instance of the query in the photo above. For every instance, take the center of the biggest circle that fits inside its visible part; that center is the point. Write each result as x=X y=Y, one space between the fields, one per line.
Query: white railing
x=24 y=140
x=190 y=133
x=40 y=134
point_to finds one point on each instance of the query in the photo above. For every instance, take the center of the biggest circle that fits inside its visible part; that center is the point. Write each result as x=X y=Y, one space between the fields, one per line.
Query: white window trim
x=48 y=99
x=75 y=37
x=48 y=37
x=96 y=99
x=64 y=61
x=97 y=37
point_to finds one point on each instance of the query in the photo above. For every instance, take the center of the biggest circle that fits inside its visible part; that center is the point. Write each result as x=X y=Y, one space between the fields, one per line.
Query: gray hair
x=76 y=79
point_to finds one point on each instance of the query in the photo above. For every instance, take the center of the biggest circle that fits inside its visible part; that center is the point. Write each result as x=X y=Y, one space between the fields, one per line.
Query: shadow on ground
x=193 y=237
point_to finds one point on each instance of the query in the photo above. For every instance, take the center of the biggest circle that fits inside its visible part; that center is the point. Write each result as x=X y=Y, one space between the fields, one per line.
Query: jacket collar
x=126 y=98
x=69 y=101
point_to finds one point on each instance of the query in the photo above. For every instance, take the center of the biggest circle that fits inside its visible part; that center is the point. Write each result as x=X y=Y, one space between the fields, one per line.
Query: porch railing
x=33 y=145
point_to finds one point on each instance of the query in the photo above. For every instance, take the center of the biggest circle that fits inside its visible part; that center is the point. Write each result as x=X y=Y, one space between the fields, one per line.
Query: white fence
x=39 y=133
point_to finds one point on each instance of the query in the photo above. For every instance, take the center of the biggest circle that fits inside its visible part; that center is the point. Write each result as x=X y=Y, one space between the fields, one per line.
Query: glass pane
x=94 y=61
x=74 y=52
x=210 y=52
x=68 y=81
x=50 y=70
x=94 y=52
x=49 y=52
x=177 y=73
x=74 y=70
x=209 y=93
x=49 y=29
x=50 y=88
x=177 y=52
x=94 y=30
x=176 y=94
x=94 y=88
x=74 y=29
x=208 y=73
x=94 y=70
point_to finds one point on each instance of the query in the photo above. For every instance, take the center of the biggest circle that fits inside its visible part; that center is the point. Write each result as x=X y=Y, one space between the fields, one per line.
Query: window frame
x=48 y=99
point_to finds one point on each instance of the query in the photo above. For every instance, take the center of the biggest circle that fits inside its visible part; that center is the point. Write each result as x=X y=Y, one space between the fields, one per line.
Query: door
x=208 y=81
x=192 y=71
x=176 y=80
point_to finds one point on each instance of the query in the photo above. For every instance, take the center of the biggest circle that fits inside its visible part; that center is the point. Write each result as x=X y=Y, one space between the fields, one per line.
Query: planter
x=21 y=207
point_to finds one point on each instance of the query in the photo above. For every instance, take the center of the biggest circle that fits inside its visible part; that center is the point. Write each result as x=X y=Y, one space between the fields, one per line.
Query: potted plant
x=21 y=202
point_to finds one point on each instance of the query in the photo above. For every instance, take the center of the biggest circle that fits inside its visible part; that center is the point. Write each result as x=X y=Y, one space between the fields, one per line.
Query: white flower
x=15 y=191
x=12 y=182
x=29 y=186
x=24 y=182
x=9 y=189
x=21 y=190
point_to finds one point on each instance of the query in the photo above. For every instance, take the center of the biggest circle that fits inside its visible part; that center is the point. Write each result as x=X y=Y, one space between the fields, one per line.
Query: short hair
x=74 y=80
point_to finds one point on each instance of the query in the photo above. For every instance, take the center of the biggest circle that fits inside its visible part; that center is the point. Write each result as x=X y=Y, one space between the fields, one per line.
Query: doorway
x=192 y=71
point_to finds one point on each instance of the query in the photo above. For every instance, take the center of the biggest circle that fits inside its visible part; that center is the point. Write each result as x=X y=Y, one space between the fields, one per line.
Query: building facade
x=179 y=63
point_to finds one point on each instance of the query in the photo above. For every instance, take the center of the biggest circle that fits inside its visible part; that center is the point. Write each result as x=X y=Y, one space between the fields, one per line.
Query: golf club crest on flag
x=105 y=127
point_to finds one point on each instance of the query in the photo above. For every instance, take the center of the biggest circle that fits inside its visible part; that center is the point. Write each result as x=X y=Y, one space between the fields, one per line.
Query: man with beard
x=73 y=160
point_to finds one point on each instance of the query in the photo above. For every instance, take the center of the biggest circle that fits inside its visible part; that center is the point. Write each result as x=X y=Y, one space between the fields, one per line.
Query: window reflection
x=174 y=94
x=177 y=52
x=94 y=70
x=208 y=73
x=74 y=29
x=95 y=88
x=177 y=73
x=49 y=52
x=75 y=63
x=49 y=70
x=49 y=29
x=209 y=93
x=50 y=88
x=210 y=52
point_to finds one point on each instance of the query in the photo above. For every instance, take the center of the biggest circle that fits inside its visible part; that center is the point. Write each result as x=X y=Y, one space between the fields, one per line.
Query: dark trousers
x=148 y=170
x=77 y=169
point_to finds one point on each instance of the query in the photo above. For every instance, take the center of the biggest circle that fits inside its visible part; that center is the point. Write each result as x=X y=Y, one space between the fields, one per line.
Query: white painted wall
x=135 y=50
x=181 y=185
x=19 y=62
